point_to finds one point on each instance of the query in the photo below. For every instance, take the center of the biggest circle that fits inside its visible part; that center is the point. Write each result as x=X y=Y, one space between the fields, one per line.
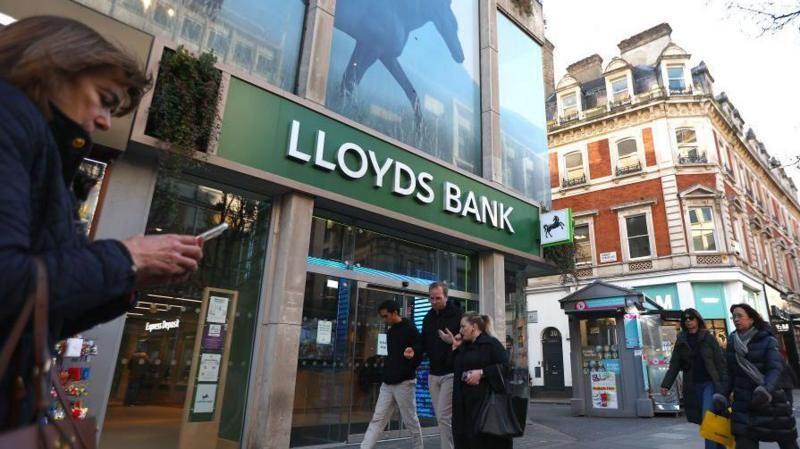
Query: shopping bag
x=717 y=428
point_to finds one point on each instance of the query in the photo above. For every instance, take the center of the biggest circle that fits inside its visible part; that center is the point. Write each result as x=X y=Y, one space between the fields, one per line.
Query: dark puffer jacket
x=431 y=344
x=773 y=421
x=89 y=282
x=682 y=359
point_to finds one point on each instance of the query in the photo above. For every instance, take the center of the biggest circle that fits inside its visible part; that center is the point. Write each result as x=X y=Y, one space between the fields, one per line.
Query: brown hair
x=40 y=54
x=442 y=284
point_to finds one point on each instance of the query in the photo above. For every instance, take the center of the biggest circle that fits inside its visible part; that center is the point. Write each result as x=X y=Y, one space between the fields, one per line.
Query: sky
x=760 y=73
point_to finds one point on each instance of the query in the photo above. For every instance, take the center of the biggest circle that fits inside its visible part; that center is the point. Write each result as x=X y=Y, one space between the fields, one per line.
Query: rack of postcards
x=73 y=357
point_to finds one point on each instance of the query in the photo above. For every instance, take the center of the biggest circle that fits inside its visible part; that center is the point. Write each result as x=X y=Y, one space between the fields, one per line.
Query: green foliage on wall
x=563 y=256
x=524 y=5
x=185 y=109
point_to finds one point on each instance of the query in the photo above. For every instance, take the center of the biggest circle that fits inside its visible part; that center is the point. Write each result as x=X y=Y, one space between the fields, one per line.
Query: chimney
x=645 y=48
x=587 y=69
x=547 y=67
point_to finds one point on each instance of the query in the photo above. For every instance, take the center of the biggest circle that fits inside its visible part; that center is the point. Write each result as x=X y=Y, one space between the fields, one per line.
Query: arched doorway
x=553 y=359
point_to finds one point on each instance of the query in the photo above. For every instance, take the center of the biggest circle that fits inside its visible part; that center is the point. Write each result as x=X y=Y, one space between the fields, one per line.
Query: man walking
x=434 y=342
x=399 y=385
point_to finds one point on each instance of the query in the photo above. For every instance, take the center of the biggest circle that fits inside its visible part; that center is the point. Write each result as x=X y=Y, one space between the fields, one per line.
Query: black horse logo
x=557 y=223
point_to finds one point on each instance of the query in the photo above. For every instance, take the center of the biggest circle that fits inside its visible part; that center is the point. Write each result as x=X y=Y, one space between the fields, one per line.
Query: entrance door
x=553 y=356
x=369 y=364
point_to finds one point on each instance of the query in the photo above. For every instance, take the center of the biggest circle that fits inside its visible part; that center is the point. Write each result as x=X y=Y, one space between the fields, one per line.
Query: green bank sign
x=265 y=131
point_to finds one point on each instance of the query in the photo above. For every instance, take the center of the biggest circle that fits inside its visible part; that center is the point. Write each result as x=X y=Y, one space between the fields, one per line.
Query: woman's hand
x=164 y=259
x=474 y=377
x=455 y=339
x=445 y=337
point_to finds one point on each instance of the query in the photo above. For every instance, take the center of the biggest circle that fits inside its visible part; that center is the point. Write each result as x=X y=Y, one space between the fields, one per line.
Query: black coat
x=773 y=421
x=431 y=344
x=488 y=354
x=682 y=360
x=90 y=283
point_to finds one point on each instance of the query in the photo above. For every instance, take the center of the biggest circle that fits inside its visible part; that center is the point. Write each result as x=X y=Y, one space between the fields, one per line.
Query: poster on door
x=604 y=389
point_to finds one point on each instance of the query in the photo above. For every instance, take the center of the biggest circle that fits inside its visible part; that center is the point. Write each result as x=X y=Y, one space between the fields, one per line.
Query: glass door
x=339 y=369
x=369 y=365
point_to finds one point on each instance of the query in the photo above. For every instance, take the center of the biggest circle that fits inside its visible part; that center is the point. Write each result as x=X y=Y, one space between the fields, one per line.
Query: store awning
x=601 y=296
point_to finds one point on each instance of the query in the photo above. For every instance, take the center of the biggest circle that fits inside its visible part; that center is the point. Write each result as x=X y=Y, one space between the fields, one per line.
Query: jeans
x=403 y=396
x=704 y=392
x=441 y=388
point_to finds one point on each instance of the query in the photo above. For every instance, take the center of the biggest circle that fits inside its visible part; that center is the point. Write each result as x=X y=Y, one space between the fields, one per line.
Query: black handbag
x=497 y=416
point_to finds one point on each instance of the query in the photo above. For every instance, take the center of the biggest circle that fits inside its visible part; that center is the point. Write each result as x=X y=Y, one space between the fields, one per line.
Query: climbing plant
x=563 y=257
x=524 y=5
x=185 y=110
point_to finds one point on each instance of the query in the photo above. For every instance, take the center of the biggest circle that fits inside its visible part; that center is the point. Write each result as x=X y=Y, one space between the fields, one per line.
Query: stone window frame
x=715 y=219
x=562 y=162
x=622 y=214
x=614 y=141
x=588 y=220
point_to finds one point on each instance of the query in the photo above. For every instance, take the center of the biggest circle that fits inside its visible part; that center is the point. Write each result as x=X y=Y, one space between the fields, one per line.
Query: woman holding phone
x=61 y=81
x=480 y=363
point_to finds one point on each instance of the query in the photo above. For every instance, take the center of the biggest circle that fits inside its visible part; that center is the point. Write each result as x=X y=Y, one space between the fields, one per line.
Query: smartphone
x=214 y=232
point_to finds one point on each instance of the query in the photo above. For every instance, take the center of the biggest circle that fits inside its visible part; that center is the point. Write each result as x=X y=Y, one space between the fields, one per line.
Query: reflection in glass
x=338 y=242
x=154 y=367
x=522 y=115
x=259 y=37
x=410 y=70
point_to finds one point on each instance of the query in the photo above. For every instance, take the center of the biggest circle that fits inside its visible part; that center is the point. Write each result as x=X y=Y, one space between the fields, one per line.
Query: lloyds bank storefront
x=362 y=153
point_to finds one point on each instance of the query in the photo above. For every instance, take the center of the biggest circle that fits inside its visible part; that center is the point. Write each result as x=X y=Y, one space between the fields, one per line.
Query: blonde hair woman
x=480 y=363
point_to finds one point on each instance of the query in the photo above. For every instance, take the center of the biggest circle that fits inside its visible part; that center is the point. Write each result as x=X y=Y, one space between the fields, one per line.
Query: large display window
x=522 y=114
x=410 y=69
x=259 y=37
x=183 y=368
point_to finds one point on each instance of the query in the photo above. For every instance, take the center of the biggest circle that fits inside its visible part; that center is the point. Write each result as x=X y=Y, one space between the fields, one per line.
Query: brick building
x=672 y=195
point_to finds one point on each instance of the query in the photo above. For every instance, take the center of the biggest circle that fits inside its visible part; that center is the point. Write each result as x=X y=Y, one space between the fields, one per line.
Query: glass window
x=159 y=367
x=628 y=156
x=619 y=88
x=573 y=162
x=638 y=236
x=522 y=115
x=583 y=245
x=687 y=146
x=569 y=105
x=268 y=26
x=702 y=223
x=385 y=254
x=411 y=73
x=677 y=83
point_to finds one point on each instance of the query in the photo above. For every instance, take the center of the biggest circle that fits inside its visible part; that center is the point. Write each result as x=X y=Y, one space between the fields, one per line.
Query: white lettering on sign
x=709 y=300
x=664 y=301
x=162 y=326
x=354 y=162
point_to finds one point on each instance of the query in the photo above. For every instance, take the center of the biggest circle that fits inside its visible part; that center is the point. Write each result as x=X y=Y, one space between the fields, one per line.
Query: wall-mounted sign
x=162 y=326
x=204 y=398
x=217 y=310
x=533 y=316
x=383 y=345
x=781 y=327
x=556 y=227
x=324 y=329
x=633 y=331
x=665 y=295
x=608 y=257
x=283 y=138
x=604 y=389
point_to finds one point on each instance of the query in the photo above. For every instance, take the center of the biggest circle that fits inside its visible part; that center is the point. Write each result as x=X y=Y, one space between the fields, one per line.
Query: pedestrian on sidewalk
x=480 y=363
x=762 y=407
x=438 y=326
x=698 y=355
x=60 y=81
x=399 y=382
